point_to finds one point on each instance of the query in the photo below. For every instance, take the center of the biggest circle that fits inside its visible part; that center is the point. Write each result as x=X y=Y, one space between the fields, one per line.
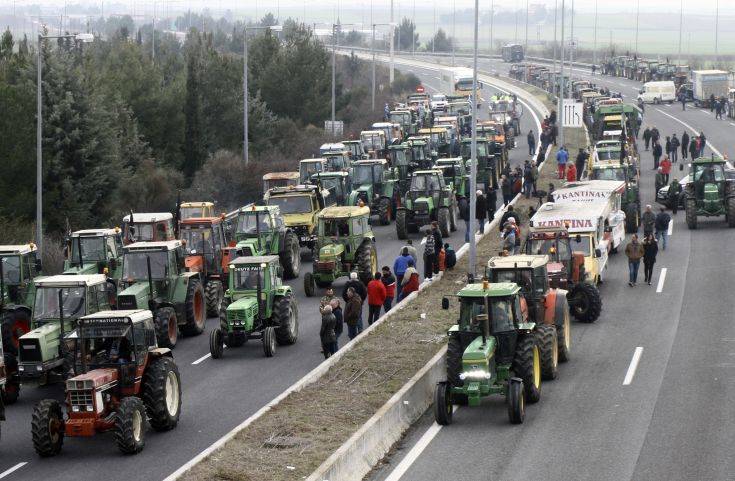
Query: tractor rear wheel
x=516 y=401
x=269 y=341
x=548 y=344
x=452 y=217
x=443 y=220
x=196 y=312
x=527 y=366
x=167 y=329
x=586 y=302
x=14 y=325
x=401 y=219
x=286 y=315
x=291 y=256
x=47 y=428
x=691 y=212
x=367 y=262
x=384 y=211
x=214 y=294
x=216 y=343
x=454 y=361
x=309 y=284
x=161 y=393
x=731 y=212
x=563 y=328
x=130 y=425
x=443 y=403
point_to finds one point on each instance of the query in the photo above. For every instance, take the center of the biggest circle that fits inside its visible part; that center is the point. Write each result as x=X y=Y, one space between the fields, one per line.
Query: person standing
x=509 y=239
x=326 y=298
x=657 y=151
x=711 y=102
x=376 y=295
x=634 y=251
x=480 y=210
x=673 y=195
x=650 y=249
x=356 y=284
x=684 y=145
x=353 y=313
x=665 y=169
x=662 y=227
x=534 y=176
x=667 y=145
x=492 y=202
x=339 y=325
x=401 y=264
x=389 y=281
x=411 y=284
x=326 y=333
x=702 y=143
x=683 y=98
x=674 y=148
x=517 y=236
x=580 y=162
x=531 y=142
x=561 y=161
x=504 y=218
x=694 y=147
x=429 y=254
x=718 y=110
x=571 y=173
x=438 y=243
x=527 y=179
x=450 y=257
x=647 y=136
x=411 y=250
x=507 y=188
x=655 y=134
x=648 y=219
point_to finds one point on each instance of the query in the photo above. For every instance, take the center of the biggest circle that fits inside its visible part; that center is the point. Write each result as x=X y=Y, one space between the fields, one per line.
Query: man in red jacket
x=571 y=172
x=666 y=169
x=376 y=297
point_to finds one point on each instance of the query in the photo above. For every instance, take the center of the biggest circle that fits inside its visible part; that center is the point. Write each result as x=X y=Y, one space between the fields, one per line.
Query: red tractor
x=125 y=378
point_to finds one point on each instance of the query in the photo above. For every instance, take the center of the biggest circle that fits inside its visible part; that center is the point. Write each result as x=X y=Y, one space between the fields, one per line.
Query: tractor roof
x=370 y=162
x=347 y=211
x=432 y=130
x=201 y=220
x=153 y=246
x=609 y=164
x=71 y=280
x=313 y=161
x=20 y=249
x=273 y=209
x=338 y=173
x=708 y=160
x=523 y=261
x=449 y=161
x=427 y=172
x=149 y=217
x=195 y=204
x=292 y=189
x=253 y=260
x=372 y=132
x=95 y=232
x=134 y=315
x=348 y=142
x=494 y=289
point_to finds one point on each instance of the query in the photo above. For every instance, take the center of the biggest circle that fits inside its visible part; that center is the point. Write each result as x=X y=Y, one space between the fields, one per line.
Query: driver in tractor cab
x=336 y=228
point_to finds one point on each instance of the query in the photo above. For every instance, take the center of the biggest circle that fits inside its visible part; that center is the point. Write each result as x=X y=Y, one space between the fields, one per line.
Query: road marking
x=709 y=144
x=12 y=470
x=732 y=124
x=415 y=451
x=633 y=366
x=635 y=88
x=661 y=280
x=671 y=227
x=202 y=359
x=705 y=112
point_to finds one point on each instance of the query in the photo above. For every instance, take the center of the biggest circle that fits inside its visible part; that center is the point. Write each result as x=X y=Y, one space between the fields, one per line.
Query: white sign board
x=335 y=129
x=572 y=113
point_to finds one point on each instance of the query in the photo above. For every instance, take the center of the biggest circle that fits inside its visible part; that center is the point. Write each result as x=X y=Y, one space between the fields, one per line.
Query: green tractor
x=94 y=251
x=403 y=166
x=59 y=301
x=630 y=201
x=488 y=173
x=710 y=193
x=345 y=243
x=421 y=155
x=373 y=185
x=256 y=306
x=493 y=349
x=334 y=185
x=261 y=231
x=457 y=178
x=428 y=199
x=154 y=276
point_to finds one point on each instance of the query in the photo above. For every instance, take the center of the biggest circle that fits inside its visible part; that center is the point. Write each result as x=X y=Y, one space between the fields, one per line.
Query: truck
x=706 y=83
x=512 y=52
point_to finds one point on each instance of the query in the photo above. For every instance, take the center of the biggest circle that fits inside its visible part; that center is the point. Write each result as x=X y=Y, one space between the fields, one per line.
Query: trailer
x=706 y=83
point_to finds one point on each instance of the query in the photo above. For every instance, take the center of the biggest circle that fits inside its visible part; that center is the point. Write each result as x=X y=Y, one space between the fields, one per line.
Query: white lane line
x=635 y=88
x=671 y=227
x=12 y=470
x=709 y=144
x=661 y=280
x=732 y=124
x=633 y=366
x=705 y=112
x=202 y=359
x=415 y=452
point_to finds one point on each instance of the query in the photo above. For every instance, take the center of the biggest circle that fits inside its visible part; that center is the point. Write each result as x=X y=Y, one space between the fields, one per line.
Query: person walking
x=353 y=313
x=401 y=264
x=326 y=333
x=655 y=134
x=634 y=251
x=429 y=254
x=389 y=281
x=702 y=143
x=694 y=147
x=684 y=145
x=647 y=136
x=534 y=176
x=411 y=250
x=531 y=142
x=464 y=214
x=339 y=325
x=376 y=295
x=711 y=102
x=450 y=257
x=665 y=169
x=650 y=249
x=571 y=173
x=561 y=161
x=674 y=148
x=648 y=219
x=673 y=195
x=580 y=162
x=492 y=202
x=527 y=179
x=667 y=145
x=438 y=243
x=662 y=227
x=657 y=151
x=683 y=98
x=480 y=210
x=718 y=110
x=507 y=188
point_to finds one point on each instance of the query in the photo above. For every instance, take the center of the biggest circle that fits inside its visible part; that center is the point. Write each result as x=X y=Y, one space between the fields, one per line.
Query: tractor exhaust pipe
x=150 y=277
x=79 y=248
x=259 y=292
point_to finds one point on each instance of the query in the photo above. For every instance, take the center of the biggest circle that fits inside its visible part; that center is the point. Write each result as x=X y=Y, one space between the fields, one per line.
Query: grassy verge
x=296 y=436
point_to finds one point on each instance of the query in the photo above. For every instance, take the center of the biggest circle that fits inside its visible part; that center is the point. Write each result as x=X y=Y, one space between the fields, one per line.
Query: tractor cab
x=94 y=251
x=373 y=185
x=488 y=173
x=279 y=179
x=528 y=271
x=455 y=175
x=337 y=161
x=708 y=177
x=309 y=167
x=427 y=183
x=355 y=150
x=406 y=119
x=255 y=227
x=373 y=142
x=190 y=210
x=403 y=165
x=19 y=265
x=205 y=240
x=421 y=155
x=148 y=227
x=438 y=140
x=564 y=262
x=335 y=184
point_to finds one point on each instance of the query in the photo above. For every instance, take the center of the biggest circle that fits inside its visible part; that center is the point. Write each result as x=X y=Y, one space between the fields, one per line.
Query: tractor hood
x=307 y=218
x=242 y=313
x=420 y=202
x=477 y=352
x=94 y=379
x=194 y=263
x=331 y=251
x=249 y=247
x=135 y=296
x=45 y=339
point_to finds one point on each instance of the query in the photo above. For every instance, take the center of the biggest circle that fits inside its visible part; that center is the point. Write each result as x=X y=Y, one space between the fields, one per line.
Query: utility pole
x=572 y=47
x=413 y=31
x=473 y=151
x=525 y=44
x=433 y=41
x=454 y=29
x=372 y=47
x=335 y=35
x=560 y=110
x=246 y=140
x=556 y=14
x=681 y=25
x=392 y=32
x=492 y=19
x=153 y=37
x=717 y=26
x=637 y=15
x=594 y=48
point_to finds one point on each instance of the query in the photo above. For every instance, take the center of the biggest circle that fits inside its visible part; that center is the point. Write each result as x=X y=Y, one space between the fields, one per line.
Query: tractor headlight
x=75 y=409
x=39 y=368
x=21 y=368
x=475 y=375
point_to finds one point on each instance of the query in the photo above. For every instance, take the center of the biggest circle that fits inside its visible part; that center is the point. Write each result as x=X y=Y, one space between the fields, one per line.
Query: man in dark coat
x=674 y=148
x=357 y=285
x=657 y=152
x=326 y=332
x=353 y=313
x=684 y=145
x=531 y=142
x=492 y=202
x=702 y=143
x=647 y=137
x=480 y=211
x=693 y=148
x=582 y=157
x=507 y=215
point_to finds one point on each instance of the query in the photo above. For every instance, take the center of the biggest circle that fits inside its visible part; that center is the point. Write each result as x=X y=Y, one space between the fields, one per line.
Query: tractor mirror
x=445 y=303
x=39 y=266
x=113 y=264
x=598 y=253
x=681 y=166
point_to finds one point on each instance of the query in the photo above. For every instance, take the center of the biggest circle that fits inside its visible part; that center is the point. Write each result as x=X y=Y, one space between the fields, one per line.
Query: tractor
x=428 y=199
x=438 y=140
x=299 y=206
x=19 y=265
x=94 y=251
x=124 y=378
x=403 y=165
x=206 y=241
x=457 y=178
x=488 y=169
x=421 y=155
x=279 y=179
x=195 y=210
x=148 y=227
x=261 y=231
x=493 y=349
x=407 y=119
x=547 y=305
x=345 y=244
x=566 y=270
x=334 y=185
x=338 y=161
x=59 y=301
x=710 y=193
x=154 y=276
x=354 y=147
x=309 y=167
x=257 y=306
x=373 y=185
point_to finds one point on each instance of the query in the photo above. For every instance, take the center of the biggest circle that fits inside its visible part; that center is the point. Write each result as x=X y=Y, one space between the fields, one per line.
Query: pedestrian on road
x=326 y=298
x=561 y=161
x=702 y=143
x=464 y=214
x=665 y=169
x=642 y=106
x=655 y=134
x=353 y=313
x=674 y=148
x=438 y=243
x=647 y=136
x=550 y=193
x=356 y=284
x=674 y=193
x=554 y=132
x=429 y=254
x=534 y=176
x=711 y=102
x=411 y=250
x=580 y=162
x=648 y=219
x=634 y=251
x=326 y=332
x=450 y=257
x=376 y=297
x=662 y=227
x=571 y=173
x=390 y=288
x=659 y=179
x=401 y=264
x=667 y=145
x=527 y=179
x=492 y=202
x=657 y=151
x=517 y=234
x=480 y=210
x=411 y=283
x=718 y=110
x=507 y=188
x=650 y=249
x=684 y=145
x=339 y=325
x=531 y=142
x=694 y=147
x=506 y=215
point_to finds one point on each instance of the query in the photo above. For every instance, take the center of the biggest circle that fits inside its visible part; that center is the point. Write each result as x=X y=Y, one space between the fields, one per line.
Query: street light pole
x=717 y=26
x=560 y=110
x=246 y=139
x=492 y=19
x=335 y=34
x=594 y=48
x=454 y=29
x=556 y=13
x=392 y=59
x=637 y=15
x=153 y=41
x=372 y=47
x=525 y=43
x=473 y=151
x=681 y=25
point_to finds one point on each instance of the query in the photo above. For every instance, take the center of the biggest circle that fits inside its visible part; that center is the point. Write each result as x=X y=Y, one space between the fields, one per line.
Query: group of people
x=655 y=230
x=570 y=171
x=693 y=145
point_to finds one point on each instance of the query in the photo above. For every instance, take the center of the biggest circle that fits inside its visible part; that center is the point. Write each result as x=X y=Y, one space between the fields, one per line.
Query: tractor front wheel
x=586 y=302
x=196 y=310
x=691 y=213
x=367 y=262
x=444 y=223
x=309 y=287
x=527 y=366
x=401 y=226
x=214 y=294
x=167 y=329
x=47 y=428
x=516 y=401
x=384 y=211
x=548 y=344
x=286 y=315
x=216 y=343
x=731 y=212
x=563 y=328
x=162 y=393
x=443 y=403
x=269 y=341
x=130 y=425
x=291 y=256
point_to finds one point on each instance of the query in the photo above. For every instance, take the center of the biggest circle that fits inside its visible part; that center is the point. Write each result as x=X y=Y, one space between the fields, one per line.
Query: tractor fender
x=18 y=308
x=283 y=290
x=550 y=303
x=160 y=352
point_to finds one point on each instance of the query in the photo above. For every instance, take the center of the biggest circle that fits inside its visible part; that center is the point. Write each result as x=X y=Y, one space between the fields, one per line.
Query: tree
x=193 y=138
x=353 y=38
x=440 y=42
x=268 y=20
x=405 y=36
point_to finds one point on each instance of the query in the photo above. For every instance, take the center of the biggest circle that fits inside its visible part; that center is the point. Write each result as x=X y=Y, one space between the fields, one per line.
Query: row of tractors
x=644 y=70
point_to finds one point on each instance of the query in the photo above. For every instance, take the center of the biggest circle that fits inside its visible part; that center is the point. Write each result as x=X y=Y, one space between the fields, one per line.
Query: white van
x=658 y=92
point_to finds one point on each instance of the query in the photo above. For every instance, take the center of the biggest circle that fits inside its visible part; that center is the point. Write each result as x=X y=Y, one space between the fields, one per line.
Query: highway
x=647 y=392
x=217 y=394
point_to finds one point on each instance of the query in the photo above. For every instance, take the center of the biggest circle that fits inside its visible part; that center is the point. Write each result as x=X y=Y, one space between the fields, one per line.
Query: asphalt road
x=217 y=394
x=606 y=418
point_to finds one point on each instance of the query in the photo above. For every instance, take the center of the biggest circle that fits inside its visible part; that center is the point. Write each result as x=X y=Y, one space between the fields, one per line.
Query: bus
x=457 y=82
x=512 y=52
